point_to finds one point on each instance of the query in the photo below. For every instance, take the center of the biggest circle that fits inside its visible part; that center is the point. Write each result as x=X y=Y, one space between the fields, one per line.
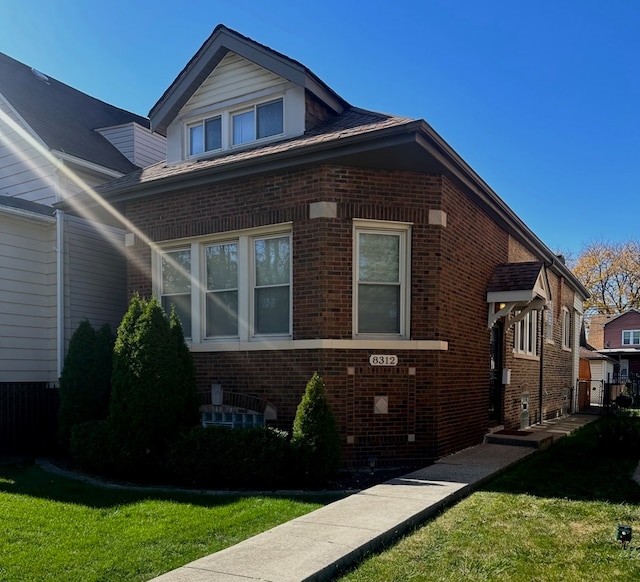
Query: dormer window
x=205 y=136
x=233 y=128
x=263 y=120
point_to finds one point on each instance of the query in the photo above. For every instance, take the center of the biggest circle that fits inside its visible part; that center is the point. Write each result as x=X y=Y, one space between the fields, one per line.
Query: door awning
x=517 y=287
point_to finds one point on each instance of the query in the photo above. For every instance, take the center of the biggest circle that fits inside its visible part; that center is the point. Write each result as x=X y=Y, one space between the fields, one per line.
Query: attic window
x=237 y=127
x=205 y=136
x=263 y=120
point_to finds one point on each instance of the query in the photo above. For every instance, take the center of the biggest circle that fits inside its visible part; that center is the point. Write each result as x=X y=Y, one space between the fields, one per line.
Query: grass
x=553 y=517
x=53 y=528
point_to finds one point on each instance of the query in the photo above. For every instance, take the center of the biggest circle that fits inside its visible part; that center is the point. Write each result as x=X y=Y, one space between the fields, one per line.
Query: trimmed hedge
x=223 y=458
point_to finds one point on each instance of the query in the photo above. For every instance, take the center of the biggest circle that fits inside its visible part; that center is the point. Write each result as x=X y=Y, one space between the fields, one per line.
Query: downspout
x=542 y=342
x=60 y=291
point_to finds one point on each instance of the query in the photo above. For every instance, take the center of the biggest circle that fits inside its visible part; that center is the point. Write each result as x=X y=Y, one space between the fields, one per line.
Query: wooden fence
x=28 y=418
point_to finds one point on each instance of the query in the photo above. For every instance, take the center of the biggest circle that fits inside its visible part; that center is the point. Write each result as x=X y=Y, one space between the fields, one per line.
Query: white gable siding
x=121 y=137
x=27 y=300
x=234 y=77
x=24 y=172
x=150 y=148
x=136 y=143
x=95 y=275
x=234 y=82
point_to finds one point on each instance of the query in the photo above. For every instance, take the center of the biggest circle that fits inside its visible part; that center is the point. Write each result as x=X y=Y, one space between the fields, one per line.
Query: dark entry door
x=495 y=373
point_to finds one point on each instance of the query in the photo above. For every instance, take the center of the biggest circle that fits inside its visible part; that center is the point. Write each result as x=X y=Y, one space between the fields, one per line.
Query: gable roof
x=221 y=41
x=515 y=277
x=624 y=314
x=353 y=137
x=64 y=118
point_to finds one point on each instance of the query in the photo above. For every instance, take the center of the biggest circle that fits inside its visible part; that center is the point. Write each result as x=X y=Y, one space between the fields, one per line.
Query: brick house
x=296 y=233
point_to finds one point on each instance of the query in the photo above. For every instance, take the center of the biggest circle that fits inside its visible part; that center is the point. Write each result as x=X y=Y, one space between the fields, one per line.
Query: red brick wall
x=440 y=397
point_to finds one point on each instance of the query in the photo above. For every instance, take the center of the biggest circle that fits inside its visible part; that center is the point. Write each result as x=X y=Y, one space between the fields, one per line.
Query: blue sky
x=541 y=98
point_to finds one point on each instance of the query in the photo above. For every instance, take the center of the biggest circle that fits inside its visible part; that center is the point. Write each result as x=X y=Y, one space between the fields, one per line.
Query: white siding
x=150 y=148
x=136 y=143
x=234 y=77
x=27 y=300
x=234 y=82
x=121 y=137
x=95 y=275
x=24 y=172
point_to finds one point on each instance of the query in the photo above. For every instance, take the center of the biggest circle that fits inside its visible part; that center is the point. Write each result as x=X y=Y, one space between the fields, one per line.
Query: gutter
x=418 y=132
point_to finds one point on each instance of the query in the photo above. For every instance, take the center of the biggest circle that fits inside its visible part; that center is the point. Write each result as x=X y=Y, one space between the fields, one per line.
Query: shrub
x=619 y=434
x=152 y=395
x=315 y=438
x=86 y=379
x=219 y=457
x=90 y=446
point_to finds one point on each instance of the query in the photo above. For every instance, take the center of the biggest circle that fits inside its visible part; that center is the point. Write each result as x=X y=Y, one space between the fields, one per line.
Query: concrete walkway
x=318 y=545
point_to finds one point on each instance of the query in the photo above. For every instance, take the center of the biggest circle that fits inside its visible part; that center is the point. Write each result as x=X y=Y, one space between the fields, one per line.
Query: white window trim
x=566 y=328
x=548 y=315
x=226 y=119
x=404 y=231
x=631 y=333
x=246 y=274
x=529 y=349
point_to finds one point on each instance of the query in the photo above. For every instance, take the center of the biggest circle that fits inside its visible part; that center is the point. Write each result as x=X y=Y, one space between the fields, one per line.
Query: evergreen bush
x=86 y=379
x=315 y=439
x=153 y=389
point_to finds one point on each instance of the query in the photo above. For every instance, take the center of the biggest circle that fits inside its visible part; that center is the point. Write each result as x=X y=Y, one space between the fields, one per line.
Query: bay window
x=243 y=285
x=381 y=280
x=176 y=286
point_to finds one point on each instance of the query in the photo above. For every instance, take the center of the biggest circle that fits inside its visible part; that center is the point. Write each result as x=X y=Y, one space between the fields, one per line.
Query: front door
x=495 y=373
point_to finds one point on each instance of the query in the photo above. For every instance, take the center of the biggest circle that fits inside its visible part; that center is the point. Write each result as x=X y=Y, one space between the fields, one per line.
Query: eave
x=222 y=41
x=413 y=146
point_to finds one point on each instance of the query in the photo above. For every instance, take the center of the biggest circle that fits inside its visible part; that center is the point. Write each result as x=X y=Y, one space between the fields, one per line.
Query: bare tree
x=611 y=273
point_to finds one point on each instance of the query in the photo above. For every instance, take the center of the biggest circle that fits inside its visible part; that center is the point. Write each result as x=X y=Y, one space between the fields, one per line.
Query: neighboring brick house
x=618 y=337
x=295 y=233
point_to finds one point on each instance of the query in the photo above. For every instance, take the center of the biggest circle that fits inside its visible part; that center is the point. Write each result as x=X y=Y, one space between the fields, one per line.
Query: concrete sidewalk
x=318 y=545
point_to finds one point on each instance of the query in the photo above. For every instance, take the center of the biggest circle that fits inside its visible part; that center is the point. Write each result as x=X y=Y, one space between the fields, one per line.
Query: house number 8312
x=383 y=360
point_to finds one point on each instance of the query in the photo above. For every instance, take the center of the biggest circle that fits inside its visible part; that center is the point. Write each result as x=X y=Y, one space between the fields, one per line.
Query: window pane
x=244 y=127
x=222 y=266
x=213 y=134
x=176 y=272
x=379 y=258
x=222 y=314
x=182 y=304
x=270 y=119
x=272 y=310
x=195 y=139
x=379 y=308
x=272 y=261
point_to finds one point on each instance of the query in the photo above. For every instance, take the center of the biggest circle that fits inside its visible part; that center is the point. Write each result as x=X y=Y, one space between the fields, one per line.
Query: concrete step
x=520 y=438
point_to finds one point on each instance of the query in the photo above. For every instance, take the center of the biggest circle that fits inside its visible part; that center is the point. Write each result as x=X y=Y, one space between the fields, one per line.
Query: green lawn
x=53 y=528
x=554 y=517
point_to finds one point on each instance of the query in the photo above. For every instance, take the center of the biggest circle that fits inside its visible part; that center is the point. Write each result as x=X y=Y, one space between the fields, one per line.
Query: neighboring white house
x=58 y=268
